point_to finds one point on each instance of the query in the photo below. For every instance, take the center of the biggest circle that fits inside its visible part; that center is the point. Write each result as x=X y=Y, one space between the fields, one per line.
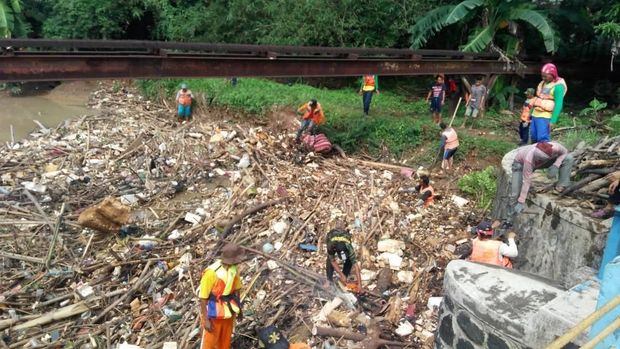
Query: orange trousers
x=220 y=336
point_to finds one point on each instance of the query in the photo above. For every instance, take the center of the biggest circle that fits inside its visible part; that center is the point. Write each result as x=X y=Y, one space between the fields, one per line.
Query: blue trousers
x=524 y=132
x=540 y=130
x=366 y=99
x=305 y=124
x=185 y=111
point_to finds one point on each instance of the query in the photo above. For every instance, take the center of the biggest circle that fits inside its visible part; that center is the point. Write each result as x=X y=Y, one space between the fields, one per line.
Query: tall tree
x=11 y=19
x=491 y=18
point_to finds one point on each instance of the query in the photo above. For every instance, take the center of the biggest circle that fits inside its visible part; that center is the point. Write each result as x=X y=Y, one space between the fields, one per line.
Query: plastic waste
x=309 y=247
x=129 y=230
x=244 y=162
x=37 y=188
x=268 y=248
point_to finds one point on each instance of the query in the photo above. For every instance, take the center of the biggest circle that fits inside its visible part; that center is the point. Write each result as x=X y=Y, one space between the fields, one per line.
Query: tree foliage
x=490 y=17
x=12 y=23
x=88 y=19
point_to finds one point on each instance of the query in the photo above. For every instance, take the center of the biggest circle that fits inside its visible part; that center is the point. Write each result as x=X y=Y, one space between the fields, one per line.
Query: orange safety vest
x=185 y=97
x=223 y=303
x=544 y=103
x=487 y=251
x=315 y=115
x=430 y=199
x=369 y=83
x=526 y=110
x=452 y=139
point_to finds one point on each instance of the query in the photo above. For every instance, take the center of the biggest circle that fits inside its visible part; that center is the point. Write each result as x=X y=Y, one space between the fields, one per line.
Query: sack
x=272 y=338
x=106 y=217
x=318 y=143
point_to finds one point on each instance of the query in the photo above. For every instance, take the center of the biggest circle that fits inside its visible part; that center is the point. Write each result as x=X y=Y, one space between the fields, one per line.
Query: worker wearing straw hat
x=219 y=298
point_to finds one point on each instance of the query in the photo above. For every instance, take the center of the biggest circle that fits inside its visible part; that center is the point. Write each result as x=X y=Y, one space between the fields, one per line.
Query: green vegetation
x=481 y=185
x=12 y=22
x=492 y=18
x=394 y=122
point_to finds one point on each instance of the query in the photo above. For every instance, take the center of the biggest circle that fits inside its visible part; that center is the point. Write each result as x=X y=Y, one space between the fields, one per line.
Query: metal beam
x=22 y=66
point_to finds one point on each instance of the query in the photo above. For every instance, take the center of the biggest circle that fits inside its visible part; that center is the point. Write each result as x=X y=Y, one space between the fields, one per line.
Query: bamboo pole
x=602 y=335
x=584 y=324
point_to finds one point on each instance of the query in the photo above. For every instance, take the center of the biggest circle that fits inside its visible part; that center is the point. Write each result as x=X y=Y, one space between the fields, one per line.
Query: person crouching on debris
x=526 y=112
x=312 y=117
x=614 y=197
x=339 y=244
x=551 y=155
x=271 y=338
x=219 y=299
x=490 y=250
x=426 y=192
x=449 y=145
x=184 y=103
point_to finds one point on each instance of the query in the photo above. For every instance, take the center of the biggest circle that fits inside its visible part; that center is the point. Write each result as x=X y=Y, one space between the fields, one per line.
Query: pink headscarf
x=550 y=68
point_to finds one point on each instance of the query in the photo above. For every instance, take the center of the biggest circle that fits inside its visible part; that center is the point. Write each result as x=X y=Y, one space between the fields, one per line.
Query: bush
x=482 y=185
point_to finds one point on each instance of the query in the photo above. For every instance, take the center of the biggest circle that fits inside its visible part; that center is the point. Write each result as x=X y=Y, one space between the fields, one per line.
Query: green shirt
x=558 y=94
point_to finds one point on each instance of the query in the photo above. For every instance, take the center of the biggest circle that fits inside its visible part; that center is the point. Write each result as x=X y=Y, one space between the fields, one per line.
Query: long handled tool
x=440 y=154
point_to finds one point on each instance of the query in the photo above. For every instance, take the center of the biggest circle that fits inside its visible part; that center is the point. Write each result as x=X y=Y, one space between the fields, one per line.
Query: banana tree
x=11 y=19
x=494 y=17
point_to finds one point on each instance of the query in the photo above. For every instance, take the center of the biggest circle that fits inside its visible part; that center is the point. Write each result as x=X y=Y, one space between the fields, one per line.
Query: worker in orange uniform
x=426 y=192
x=370 y=85
x=219 y=299
x=184 y=103
x=312 y=117
x=449 y=145
x=486 y=249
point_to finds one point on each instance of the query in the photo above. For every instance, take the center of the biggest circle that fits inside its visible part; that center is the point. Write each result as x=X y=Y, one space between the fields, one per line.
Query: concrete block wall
x=487 y=307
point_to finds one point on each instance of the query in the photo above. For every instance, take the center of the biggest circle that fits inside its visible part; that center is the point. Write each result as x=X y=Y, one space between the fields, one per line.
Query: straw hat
x=232 y=254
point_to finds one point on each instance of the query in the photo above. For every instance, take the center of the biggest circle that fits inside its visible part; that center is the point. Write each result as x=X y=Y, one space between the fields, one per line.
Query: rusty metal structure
x=43 y=60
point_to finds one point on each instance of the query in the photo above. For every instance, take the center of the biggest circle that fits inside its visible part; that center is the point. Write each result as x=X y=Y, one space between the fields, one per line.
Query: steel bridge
x=44 y=60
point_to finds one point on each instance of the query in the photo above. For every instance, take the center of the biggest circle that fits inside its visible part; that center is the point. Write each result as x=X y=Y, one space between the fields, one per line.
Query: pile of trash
x=109 y=220
x=592 y=165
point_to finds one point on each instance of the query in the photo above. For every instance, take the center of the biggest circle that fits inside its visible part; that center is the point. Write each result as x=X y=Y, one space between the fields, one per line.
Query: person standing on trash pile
x=551 y=155
x=219 y=299
x=184 y=103
x=437 y=97
x=475 y=102
x=487 y=248
x=448 y=146
x=547 y=104
x=613 y=203
x=339 y=245
x=312 y=117
x=425 y=192
x=526 y=112
x=370 y=85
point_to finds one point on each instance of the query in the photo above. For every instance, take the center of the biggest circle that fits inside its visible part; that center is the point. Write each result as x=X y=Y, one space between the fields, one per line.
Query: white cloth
x=509 y=250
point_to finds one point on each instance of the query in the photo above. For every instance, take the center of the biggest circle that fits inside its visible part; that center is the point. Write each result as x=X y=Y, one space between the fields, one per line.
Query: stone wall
x=487 y=307
x=556 y=236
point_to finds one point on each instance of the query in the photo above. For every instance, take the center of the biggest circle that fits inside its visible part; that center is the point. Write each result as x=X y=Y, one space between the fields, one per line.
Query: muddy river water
x=66 y=101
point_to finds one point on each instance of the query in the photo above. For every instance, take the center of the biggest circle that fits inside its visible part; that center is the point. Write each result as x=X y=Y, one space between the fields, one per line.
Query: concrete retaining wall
x=556 y=237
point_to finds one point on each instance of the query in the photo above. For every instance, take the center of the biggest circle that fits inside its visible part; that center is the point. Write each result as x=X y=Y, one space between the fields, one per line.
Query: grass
x=396 y=123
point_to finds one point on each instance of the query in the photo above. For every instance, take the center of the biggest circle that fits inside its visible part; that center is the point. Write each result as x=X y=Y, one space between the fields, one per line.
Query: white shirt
x=509 y=250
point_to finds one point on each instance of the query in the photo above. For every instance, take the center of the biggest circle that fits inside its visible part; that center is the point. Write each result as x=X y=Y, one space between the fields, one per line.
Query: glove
x=552 y=173
x=519 y=208
x=419 y=203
